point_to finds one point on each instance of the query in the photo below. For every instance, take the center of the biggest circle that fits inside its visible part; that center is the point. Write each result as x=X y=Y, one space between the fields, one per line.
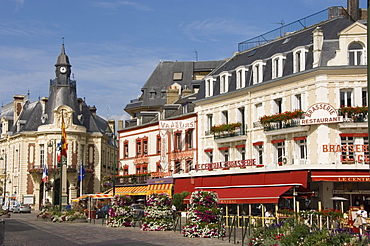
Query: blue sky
x=115 y=45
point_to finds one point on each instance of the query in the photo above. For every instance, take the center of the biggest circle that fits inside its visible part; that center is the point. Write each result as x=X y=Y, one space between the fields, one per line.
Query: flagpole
x=81 y=180
x=44 y=200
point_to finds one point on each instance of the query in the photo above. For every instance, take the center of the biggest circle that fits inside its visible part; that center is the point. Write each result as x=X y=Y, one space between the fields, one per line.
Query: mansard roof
x=166 y=74
x=281 y=45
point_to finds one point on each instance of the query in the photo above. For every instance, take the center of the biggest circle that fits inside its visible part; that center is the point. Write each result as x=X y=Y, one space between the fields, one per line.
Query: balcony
x=291 y=126
x=353 y=117
x=223 y=133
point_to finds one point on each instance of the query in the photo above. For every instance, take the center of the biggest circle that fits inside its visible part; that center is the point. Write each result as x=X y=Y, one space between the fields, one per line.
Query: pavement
x=26 y=229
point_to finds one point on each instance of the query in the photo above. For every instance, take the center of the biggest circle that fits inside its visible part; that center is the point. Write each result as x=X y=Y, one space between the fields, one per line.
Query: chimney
x=186 y=92
x=172 y=95
x=120 y=124
x=79 y=100
x=112 y=125
x=44 y=100
x=353 y=9
x=18 y=106
x=318 y=40
x=93 y=110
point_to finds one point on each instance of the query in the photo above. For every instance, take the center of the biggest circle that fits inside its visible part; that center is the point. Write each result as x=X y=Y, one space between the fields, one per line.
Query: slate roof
x=30 y=118
x=163 y=76
x=330 y=29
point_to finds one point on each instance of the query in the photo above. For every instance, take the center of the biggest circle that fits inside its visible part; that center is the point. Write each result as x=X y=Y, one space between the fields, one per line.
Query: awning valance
x=341 y=176
x=130 y=191
x=160 y=188
x=250 y=195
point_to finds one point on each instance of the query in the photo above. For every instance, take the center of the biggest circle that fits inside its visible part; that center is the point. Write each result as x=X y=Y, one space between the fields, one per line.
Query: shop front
x=342 y=188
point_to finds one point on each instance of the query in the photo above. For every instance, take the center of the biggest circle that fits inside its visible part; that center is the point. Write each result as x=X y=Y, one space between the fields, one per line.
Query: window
x=145 y=146
x=278 y=62
x=299 y=59
x=356 y=54
x=240 y=77
x=364 y=97
x=225 y=155
x=209 y=122
x=224 y=117
x=346 y=98
x=302 y=148
x=258 y=112
x=158 y=144
x=177 y=76
x=125 y=149
x=209 y=87
x=258 y=153
x=280 y=150
x=138 y=147
x=257 y=70
x=278 y=106
x=241 y=153
x=347 y=155
x=177 y=141
x=366 y=151
x=152 y=93
x=189 y=165
x=42 y=155
x=241 y=119
x=224 y=82
x=178 y=167
x=298 y=101
x=189 y=139
x=210 y=156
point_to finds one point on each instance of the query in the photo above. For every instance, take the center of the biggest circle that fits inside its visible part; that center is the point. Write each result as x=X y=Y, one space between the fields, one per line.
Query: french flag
x=45 y=174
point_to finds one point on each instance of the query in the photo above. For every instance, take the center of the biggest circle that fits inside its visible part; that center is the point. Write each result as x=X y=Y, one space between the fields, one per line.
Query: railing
x=227 y=134
x=289 y=28
x=355 y=118
x=281 y=125
x=135 y=180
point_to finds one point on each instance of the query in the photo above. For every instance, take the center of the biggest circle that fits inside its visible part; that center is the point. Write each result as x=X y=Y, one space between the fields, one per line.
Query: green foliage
x=178 y=200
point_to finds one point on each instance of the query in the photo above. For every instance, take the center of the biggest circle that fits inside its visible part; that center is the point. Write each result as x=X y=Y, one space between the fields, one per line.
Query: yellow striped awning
x=79 y=198
x=160 y=188
x=130 y=191
x=101 y=196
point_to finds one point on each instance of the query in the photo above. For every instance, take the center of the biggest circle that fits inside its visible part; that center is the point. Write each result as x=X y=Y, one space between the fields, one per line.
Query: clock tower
x=63 y=68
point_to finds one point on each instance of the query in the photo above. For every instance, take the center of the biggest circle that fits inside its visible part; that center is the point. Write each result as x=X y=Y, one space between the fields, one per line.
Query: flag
x=81 y=174
x=64 y=146
x=59 y=151
x=45 y=174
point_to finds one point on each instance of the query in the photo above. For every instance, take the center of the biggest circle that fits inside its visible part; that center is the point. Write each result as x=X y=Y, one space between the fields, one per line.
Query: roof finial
x=63 y=40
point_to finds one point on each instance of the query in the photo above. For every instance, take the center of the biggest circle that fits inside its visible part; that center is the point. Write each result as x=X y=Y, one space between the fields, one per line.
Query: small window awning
x=250 y=195
x=160 y=188
x=130 y=191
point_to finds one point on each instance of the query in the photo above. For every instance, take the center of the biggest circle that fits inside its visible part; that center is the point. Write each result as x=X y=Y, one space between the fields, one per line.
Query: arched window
x=356 y=54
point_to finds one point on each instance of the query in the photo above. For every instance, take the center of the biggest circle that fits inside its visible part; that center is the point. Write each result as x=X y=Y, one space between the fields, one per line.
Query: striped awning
x=92 y=196
x=130 y=191
x=160 y=188
x=101 y=196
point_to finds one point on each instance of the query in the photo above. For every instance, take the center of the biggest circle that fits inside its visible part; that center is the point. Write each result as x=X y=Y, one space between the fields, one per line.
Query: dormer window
x=209 y=86
x=258 y=67
x=356 y=54
x=152 y=93
x=299 y=59
x=224 y=82
x=240 y=77
x=278 y=62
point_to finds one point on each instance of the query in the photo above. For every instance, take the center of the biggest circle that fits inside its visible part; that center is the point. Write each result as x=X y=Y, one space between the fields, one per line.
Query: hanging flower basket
x=281 y=117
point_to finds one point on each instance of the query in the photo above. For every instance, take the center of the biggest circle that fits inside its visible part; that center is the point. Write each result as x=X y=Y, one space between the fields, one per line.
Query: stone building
x=31 y=132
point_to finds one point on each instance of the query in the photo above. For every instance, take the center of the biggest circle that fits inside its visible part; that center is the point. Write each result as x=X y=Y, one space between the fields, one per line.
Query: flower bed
x=57 y=216
x=121 y=213
x=204 y=216
x=158 y=215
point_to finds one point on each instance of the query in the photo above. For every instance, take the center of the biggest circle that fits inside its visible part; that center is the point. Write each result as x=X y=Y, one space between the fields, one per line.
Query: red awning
x=341 y=176
x=264 y=194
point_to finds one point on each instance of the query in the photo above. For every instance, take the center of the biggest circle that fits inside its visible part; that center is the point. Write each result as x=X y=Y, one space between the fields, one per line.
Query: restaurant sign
x=227 y=164
x=321 y=113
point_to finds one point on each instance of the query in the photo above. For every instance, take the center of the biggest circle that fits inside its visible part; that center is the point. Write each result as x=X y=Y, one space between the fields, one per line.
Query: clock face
x=63 y=69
